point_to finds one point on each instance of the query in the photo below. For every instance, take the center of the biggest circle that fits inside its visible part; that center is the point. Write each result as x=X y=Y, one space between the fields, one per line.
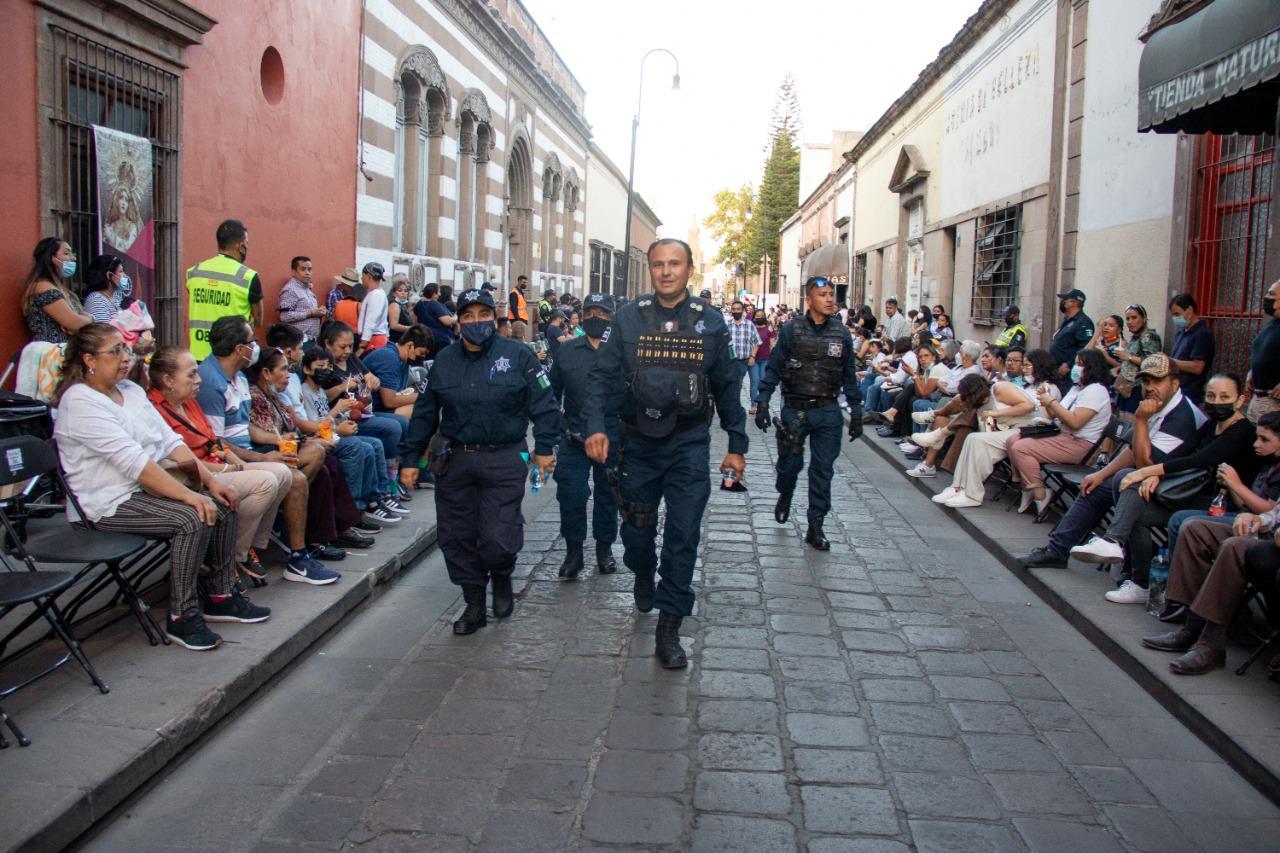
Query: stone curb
x=202 y=713
x=1214 y=736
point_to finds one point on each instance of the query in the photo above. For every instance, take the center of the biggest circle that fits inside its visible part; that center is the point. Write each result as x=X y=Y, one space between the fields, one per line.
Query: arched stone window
x=571 y=194
x=551 y=182
x=422 y=98
x=475 y=142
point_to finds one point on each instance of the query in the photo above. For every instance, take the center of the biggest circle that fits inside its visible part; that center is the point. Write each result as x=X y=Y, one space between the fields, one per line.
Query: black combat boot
x=815 y=537
x=642 y=589
x=782 y=509
x=667 y=642
x=503 y=601
x=572 y=564
x=472 y=619
x=605 y=564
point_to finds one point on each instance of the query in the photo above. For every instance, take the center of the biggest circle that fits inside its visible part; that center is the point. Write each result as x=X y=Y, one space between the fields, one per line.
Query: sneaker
x=394 y=505
x=327 y=551
x=304 y=568
x=905 y=446
x=190 y=632
x=1128 y=593
x=1099 y=549
x=947 y=494
x=924 y=418
x=376 y=513
x=932 y=438
x=962 y=501
x=1043 y=557
x=367 y=527
x=402 y=494
x=914 y=453
x=923 y=471
x=235 y=608
x=352 y=538
x=886 y=432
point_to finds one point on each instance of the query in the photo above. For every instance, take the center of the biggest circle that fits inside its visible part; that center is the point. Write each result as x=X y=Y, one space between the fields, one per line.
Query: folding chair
x=25 y=457
x=39 y=588
x=1254 y=593
x=1064 y=479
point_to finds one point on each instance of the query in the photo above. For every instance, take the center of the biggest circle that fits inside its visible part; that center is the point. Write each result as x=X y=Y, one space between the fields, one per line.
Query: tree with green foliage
x=779 y=195
x=730 y=224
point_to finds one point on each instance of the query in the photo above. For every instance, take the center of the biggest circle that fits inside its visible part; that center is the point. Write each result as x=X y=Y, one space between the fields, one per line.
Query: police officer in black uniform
x=1072 y=336
x=570 y=379
x=813 y=358
x=482 y=391
x=671 y=353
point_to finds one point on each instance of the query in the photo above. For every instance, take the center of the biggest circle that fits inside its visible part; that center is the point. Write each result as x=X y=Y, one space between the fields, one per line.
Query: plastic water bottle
x=535 y=479
x=1158 y=579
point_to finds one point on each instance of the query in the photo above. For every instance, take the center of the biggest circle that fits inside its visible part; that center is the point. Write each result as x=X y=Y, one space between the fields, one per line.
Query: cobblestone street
x=903 y=691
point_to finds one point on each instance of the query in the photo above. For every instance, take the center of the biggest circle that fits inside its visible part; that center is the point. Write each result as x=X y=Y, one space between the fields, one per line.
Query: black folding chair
x=1063 y=480
x=40 y=589
x=105 y=558
x=1253 y=593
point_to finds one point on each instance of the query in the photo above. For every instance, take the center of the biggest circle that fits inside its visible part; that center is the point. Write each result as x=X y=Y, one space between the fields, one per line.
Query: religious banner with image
x=126 y=225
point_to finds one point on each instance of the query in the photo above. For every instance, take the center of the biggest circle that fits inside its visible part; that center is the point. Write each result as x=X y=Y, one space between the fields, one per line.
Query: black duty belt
x=483 y=448
x=804 y=404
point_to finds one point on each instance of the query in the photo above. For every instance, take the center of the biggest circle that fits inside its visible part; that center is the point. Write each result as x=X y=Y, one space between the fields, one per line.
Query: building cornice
x=484 y=24
x=175 y=20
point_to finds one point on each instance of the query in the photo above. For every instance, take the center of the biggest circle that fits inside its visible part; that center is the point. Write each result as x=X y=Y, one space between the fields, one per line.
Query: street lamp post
x=631 y=172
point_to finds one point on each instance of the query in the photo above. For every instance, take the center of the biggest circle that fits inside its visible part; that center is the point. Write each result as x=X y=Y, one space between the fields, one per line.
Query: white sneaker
x=906 y=446
x=922 y=471
x=962 y=501
x=925 y=418
x=947 y=494
x=932 y=438
x=1099 y=550
x=1128 y=593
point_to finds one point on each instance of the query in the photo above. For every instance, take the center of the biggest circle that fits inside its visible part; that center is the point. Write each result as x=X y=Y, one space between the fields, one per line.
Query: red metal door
x=1231 y=213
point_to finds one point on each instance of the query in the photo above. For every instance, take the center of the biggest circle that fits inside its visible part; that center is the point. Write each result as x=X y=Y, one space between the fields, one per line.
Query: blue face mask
x=1179 y=322
x=1018 y=380
x=68 y=269
x=1076 y=372
x=477 y=332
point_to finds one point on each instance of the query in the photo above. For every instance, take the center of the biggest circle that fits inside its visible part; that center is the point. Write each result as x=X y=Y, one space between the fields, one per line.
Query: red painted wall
x=286 y=170
x=18 y=163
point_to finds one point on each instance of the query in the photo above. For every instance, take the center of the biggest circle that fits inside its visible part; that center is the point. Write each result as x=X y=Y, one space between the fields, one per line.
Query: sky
x=850 y=59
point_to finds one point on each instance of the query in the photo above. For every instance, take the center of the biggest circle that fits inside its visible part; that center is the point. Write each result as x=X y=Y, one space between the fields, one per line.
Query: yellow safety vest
x=215 y=288
x=1008 y=335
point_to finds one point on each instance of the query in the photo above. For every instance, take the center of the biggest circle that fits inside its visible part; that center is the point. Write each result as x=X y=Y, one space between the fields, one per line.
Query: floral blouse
x=268 y=412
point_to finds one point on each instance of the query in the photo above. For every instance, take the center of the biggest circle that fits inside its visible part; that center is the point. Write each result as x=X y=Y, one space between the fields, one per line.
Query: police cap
x=475 y=297
x=603 y=301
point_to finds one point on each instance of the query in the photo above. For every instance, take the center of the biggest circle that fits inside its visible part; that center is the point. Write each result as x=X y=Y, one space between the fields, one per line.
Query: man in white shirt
x=373 y=325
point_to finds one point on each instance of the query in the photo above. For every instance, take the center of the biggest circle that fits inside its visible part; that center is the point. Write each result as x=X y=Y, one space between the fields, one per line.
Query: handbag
x=1040 y=430
x=1177 y=491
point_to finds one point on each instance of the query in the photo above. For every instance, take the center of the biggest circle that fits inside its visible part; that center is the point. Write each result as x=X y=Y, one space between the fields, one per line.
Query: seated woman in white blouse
x=113 y=444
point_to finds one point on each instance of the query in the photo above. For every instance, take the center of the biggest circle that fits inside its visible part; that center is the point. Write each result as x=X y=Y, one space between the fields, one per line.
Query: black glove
x=855 y=423
x=762 y=417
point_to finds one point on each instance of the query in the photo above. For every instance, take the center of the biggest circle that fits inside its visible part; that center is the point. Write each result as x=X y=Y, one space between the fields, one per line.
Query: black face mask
x=760 y=321
x=737 y=315
x=594 y=327
x=1269 y=307
x=326 y=377
x=1219 y=412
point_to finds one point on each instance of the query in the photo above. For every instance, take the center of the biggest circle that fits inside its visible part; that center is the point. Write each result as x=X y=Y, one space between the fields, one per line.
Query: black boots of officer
x=667 y=642
x=782 y=509
x=605 y=564
x=503 y=600
x=642 y=589
x=472 y=619
x=815 y=537
x=572 y=564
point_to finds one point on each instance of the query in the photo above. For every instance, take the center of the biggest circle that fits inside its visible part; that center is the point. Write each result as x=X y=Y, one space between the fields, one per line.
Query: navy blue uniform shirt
x=616 y=360
x=777 y=358
x=485 y=397
x=1072 y=336
x=571 y=380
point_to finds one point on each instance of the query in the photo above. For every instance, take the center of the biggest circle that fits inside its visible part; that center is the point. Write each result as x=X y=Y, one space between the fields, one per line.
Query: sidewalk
x=1234 y=715
x=90 y=751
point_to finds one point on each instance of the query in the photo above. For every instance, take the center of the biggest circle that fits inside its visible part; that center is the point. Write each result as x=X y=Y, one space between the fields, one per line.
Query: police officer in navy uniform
x=1072 y=336
x=482 y=391
x=671 y=354
x=570 y=379
x=813 y=358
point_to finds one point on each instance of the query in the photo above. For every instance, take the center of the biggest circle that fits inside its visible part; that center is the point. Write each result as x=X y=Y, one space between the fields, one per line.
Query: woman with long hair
x=105 y=286
x=1143 y=341
x=52 y=310
x=114 y=447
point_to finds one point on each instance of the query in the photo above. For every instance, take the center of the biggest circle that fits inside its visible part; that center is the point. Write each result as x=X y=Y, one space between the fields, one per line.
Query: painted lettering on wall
x=1012 y=73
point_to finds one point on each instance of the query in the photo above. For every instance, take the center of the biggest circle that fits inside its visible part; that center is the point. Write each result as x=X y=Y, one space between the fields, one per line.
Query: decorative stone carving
x=421 y=64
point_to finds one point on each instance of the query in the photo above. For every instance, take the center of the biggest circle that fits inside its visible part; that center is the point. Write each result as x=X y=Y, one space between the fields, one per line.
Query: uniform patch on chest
x=835 y=349
x=543 y=381
x=700 y=327
x=669 y=326
x=502 y=364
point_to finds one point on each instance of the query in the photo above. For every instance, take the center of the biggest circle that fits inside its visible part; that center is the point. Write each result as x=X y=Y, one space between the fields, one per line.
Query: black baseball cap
x=474 y=297
x=375 y=270
x=1011 y=311
x=1074 y=293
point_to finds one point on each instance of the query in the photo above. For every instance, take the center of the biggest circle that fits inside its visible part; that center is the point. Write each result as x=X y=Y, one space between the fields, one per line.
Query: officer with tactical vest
x=570 y=379
x=813 y=358
x=670 y=353
x=1014 y=334
x=222 y=286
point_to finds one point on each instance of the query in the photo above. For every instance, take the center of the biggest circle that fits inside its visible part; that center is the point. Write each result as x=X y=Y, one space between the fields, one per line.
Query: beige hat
x=349 y=277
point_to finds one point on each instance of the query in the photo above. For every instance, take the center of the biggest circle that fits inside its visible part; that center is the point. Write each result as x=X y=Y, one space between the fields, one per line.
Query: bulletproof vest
x=815 y=360
x=674 y=349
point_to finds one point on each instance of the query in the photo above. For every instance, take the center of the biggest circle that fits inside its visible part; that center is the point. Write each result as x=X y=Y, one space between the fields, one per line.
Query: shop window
x=995 y=263
x=97 y=85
